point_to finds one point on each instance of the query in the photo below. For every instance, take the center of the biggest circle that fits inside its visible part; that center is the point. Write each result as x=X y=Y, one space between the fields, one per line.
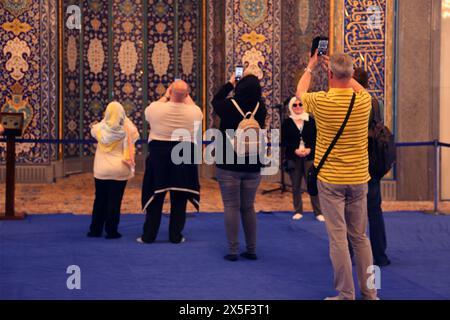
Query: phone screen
x=323 y=47
x=239 y=72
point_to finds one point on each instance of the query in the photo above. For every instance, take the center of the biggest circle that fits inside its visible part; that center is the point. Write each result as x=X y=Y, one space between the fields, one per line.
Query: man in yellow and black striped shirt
x=348 y=163
x=343 y=179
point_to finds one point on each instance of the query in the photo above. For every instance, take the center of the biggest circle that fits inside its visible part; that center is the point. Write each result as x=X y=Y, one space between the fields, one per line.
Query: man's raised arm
x=305 y=81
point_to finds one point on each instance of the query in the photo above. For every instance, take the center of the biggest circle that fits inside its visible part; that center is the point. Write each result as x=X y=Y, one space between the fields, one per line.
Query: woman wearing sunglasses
x=298 y=137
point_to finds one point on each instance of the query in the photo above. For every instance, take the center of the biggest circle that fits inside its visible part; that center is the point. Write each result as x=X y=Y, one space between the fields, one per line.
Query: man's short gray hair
x=341 y=65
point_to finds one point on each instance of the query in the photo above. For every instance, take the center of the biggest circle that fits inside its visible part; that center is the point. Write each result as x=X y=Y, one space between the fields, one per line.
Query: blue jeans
x=238 y=195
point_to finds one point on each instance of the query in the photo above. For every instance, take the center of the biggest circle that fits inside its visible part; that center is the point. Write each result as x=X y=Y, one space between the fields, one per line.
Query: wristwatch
x=308 y=69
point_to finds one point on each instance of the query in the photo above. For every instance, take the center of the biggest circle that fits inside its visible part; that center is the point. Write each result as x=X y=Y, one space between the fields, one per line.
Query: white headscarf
x=304 y=116
x=116 y=128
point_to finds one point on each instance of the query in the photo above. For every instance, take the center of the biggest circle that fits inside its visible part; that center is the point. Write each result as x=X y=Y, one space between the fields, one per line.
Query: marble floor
x=75 y=194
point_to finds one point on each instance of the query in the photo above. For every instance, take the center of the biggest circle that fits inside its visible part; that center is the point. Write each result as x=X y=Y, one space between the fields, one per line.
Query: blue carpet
x=294 y=263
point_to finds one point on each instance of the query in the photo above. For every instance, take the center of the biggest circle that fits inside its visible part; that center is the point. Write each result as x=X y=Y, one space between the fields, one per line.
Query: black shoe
x=113 y=236
x=94 y=235
x=182 y=240
x=231 y=257
x=249 y=256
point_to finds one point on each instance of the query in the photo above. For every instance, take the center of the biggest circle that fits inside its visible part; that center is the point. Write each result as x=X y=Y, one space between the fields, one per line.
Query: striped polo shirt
x=348 y=163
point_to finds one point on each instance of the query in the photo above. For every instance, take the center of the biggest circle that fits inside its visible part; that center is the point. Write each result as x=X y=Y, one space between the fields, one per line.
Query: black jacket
x=230 y=119
x=290 y=137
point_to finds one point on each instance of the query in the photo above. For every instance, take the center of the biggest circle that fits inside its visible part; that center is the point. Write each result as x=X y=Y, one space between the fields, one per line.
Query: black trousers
x=178 y=204
x=106 y=211
x=376 y=223
x=377 y=229
x=297 y=172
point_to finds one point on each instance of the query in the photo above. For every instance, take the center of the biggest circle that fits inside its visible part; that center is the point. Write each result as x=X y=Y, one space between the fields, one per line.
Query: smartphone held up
x=320 y=44
x=239 y=73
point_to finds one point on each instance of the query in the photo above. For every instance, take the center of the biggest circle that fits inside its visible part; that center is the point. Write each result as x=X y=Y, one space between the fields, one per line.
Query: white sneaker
x=320 y=218
x=298 y=216
x=139 y=240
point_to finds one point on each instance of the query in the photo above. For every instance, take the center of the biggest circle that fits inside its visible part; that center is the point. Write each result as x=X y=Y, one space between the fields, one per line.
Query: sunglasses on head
x=297 y=105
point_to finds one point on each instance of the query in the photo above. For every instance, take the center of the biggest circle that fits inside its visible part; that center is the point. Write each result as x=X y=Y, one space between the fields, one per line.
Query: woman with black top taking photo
x=240 y=179
x=298 y=138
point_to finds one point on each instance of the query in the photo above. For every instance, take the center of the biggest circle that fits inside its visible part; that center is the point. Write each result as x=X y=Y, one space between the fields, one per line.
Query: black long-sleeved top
x=230 y=119
x=290 y=137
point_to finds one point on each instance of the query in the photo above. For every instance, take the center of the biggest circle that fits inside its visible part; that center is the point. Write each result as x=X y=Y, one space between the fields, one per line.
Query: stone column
x=418 y=99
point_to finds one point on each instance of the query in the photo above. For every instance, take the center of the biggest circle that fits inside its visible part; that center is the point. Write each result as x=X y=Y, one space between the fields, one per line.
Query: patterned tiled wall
x=253 y=39
x=128 y=58
x=113 y=63
x=28 y=77
x=101 y=63
x=216 y=65
x=95 y=65
x=161 y=47
x=72 y=85
x=365 y=40
x=188 y=40
x=273 y=36
x=302 y=21
x=368 y=37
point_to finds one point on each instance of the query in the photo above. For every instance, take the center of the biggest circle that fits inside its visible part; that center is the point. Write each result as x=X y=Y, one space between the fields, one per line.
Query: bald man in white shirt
x=173 y=112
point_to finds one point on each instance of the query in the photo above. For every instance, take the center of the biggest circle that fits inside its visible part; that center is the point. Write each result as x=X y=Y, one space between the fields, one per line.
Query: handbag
x=313 y=173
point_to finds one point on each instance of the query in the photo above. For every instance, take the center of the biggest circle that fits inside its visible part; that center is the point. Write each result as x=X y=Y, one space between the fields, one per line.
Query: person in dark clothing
x=376 y=221
x=240 y=179
x=298 y=139
x=174 y=111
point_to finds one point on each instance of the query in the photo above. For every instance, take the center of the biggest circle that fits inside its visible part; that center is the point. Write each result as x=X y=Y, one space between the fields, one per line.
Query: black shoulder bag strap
x=338 y=135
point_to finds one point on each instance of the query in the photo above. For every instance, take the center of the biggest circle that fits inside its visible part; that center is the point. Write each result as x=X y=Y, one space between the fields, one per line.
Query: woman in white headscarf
x=114 y=165
x=298 y=138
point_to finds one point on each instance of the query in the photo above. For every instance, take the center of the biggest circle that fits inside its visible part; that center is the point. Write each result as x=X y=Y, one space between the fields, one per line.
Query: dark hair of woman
x=362 y=77
x=248 y=91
